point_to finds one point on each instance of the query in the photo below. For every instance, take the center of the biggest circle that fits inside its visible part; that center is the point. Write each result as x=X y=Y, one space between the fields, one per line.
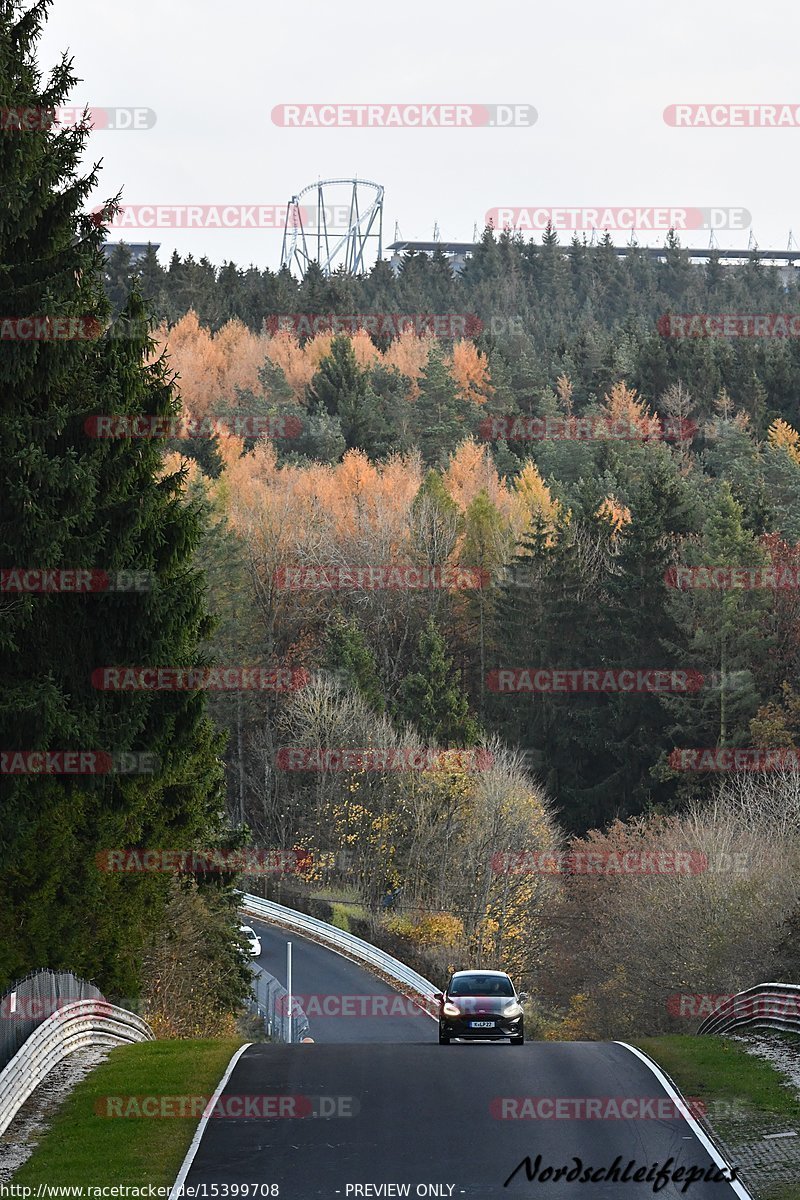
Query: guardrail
x=766 y=1006
x=270 y=1003
x=30 y=1000
x=344 y=943
x=75 y=1025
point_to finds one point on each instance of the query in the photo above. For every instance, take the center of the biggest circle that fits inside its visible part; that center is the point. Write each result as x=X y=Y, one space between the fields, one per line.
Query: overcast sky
x=599 y=77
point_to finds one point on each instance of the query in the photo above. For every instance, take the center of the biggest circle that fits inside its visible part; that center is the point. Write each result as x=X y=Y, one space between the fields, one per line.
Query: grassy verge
x=84 y=1148
x=739 y=1091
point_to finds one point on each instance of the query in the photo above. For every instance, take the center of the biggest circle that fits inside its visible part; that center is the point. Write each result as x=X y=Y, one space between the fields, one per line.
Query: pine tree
x=346 y=651
x=643 y=630
x=150 y=274
x=486 y=547
x=721 y=634
x=341 y=389
x=313 y=292
x=379 y=290
x=430 y=699
x=274 y=382
x=440 y=418
x=74 y=501
x=782 y=476
x=118 y=274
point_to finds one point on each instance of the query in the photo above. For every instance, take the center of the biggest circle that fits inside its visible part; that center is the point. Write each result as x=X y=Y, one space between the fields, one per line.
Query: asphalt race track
x=330 y=979
x=410 y=1117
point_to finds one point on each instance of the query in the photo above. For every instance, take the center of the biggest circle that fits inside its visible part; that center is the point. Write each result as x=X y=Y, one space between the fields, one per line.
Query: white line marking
x=201 y=1128
x=738 y=1188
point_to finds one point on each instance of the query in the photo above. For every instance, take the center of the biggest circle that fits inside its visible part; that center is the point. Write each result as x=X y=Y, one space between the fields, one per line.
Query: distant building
x=137 y=249
x=456 y=253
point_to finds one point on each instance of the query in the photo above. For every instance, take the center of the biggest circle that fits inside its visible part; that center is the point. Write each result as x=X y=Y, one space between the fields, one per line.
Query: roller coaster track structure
x=334 y=235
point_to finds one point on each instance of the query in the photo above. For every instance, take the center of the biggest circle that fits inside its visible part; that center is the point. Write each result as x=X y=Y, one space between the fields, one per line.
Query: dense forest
x=546 y=310
x=576 y=531
x=580 y=461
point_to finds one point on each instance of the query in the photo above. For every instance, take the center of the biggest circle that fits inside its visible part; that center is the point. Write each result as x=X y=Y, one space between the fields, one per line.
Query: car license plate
x=481 y=1024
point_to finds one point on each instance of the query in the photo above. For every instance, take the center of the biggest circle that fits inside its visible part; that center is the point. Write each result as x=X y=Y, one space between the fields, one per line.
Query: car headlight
x=450 y=1010
x=512 y=1010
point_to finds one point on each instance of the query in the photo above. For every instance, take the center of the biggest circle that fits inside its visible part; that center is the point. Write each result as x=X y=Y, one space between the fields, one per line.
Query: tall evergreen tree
x=341 y=389
x=486 y=547
x=74 y=501
x=430 y=698
x=347 y=652
x=440 y=418
x=720 y=630
x=118 y=274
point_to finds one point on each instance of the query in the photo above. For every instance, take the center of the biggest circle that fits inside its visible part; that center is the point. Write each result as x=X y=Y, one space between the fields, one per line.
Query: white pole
x=289 y=985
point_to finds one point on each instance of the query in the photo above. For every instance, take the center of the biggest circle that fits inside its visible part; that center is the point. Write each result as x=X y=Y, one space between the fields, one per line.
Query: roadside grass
x=716 y=1069
x=84 y=1148
x=737 y=1089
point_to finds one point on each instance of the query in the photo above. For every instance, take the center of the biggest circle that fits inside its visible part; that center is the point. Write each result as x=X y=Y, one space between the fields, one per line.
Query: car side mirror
x=522 y=997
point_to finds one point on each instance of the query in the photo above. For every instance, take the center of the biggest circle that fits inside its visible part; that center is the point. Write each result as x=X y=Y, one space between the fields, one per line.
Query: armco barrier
x=345 y=943
x=76 y=1025
x=268 y=1002
x=766 y=1006
x=31 y=1000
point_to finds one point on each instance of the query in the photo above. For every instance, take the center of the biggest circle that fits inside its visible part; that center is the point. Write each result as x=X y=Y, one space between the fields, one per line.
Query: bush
x=625 y=944
x=196 y=979
x=340 y=917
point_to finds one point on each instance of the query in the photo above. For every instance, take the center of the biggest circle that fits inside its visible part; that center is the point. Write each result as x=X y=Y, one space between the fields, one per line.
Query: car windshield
x=481 y=985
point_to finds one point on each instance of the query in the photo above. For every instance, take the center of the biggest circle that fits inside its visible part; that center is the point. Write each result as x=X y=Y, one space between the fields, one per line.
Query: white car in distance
x=249 y=934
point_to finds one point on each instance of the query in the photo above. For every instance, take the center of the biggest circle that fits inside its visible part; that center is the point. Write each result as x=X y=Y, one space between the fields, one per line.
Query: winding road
x=376 y=1108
